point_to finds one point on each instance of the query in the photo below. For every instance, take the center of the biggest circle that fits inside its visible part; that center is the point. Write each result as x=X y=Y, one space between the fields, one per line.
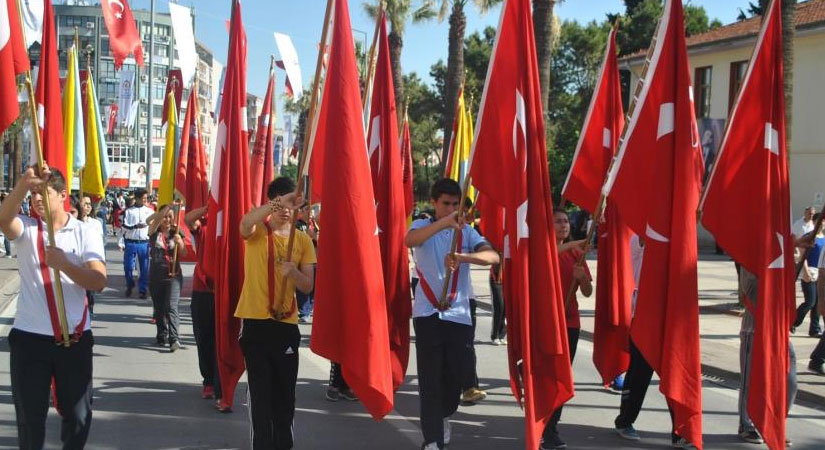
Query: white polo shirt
x=82 y=243
x=134 y=216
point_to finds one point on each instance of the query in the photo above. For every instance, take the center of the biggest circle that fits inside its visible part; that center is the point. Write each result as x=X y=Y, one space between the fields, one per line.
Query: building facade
x=719 y=60
x=127 y=145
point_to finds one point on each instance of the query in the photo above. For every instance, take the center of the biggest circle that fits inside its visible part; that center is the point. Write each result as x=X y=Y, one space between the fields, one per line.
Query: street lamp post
x=149 y=106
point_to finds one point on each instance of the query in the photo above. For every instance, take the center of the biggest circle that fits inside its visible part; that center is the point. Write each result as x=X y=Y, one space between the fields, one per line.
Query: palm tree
x=455 y=57
x=546 y=31
x=398 y=12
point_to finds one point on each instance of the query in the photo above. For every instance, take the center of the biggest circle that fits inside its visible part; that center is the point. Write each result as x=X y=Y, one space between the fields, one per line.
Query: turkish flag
x=174 y=84
x=261 y=164
x=350 y=319
x=47 y=96
x=390 y=207
x=112 y=118
x=491 y=224
x=751 y=177
x=510 y=145
x=407 y=179
x=123 y=34
x=655 y=185
x=598 y=142
x=228 y=201
x=190 y=176
x=13 y=61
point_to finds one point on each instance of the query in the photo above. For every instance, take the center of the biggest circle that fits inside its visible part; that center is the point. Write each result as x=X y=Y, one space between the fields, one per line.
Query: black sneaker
x=333 y=394
x=816 y=368
x=347 y=394
x=815 y=334
x=143 y=295
x=751 y=436
x=553 y=442
x=128 y=292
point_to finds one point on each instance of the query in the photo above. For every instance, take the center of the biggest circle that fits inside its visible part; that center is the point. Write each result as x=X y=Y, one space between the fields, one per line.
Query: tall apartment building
x=128 y=145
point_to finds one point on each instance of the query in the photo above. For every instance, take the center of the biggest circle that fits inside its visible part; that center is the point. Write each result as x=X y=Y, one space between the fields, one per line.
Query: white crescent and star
x=112 y=3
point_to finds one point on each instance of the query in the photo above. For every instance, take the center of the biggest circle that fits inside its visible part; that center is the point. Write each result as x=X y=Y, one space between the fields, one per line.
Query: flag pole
x=272 y=111
x=88 y=77
x=462 y=213
x=371 y=63
x=309 y=131
x=599 y=212
x=61 y=306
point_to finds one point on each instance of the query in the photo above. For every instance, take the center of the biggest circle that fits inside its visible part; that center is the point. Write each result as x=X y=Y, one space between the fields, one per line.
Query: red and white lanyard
x=428 y=291
x=51 y=302
x=270 y=266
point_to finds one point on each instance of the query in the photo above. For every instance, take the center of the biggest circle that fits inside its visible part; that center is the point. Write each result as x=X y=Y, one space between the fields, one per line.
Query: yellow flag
x=462 y=143
x=73 y=138
x=167 y=173
x=94 y=175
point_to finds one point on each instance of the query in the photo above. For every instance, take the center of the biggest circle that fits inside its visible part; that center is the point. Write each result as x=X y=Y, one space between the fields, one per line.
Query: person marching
x=572 y=274
x=444 y=333
x=136 y=241
x=35 y=359
x=269 y=333
x=203 y=311
x=165 y=279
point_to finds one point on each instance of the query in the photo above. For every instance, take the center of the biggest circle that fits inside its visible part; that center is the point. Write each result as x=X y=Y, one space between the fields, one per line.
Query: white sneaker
x=430 y=446
x=447 y=430
x=496 y=341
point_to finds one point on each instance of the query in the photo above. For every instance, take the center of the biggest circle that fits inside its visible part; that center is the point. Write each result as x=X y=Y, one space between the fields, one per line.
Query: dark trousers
x=270 y=350
x=35 y=359
x=165 y=294
x=336 y=377
x=573 y=342
x=305 y=303
x=471 y=378
x=497 y=297
x=139 y=250
x=809 y=292
x=443 y=358
x=636 y=381
x=818 y=355
x=203 y=327
x=7 y=246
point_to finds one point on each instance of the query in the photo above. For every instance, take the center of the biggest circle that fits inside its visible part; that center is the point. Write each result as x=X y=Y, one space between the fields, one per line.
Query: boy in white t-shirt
x=35 y=360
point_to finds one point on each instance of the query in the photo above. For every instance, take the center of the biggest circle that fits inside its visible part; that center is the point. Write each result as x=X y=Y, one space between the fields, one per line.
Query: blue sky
x=424 y=44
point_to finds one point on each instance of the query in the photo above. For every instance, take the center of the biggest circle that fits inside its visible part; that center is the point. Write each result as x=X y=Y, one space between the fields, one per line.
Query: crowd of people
x=277 y=296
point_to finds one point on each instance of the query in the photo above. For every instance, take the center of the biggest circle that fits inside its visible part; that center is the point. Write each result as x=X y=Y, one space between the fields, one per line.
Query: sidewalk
x=719 y=323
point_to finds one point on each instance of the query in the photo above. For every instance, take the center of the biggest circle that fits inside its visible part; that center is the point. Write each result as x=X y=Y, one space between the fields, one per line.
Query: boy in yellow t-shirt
x=269 y=335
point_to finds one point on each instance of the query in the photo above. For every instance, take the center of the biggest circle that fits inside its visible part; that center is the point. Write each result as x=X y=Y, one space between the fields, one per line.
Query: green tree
x=425 y=119
x=637 y=25
x=455 y=56
x=398 y=13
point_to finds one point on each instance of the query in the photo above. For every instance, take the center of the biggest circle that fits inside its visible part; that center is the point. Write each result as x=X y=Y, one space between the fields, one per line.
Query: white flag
x=130 y=118
x=184 y=41
x=32 y=12
x=289 y=59
x=126 y=93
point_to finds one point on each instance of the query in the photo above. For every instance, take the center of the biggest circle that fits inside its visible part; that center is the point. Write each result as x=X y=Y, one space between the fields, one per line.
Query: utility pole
x=150 y=107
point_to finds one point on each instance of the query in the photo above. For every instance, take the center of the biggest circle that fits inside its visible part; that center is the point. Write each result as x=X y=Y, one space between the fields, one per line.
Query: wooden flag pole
x=443 y=304
x=61 y=305
x=371 y=57
x=309 y=131
x=598 y=214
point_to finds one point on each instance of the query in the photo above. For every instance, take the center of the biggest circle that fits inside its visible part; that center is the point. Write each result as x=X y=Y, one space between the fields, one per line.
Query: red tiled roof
x=808 y=13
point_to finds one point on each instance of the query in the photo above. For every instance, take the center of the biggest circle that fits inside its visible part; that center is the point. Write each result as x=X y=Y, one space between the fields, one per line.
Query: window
x=157 y=110
x=107 y=69
x=161 y=50
x=701 y=83
x=156 y=152
x=157 y=132
x=108 y=90
x=105 y=50
x=737 y=76
x=119 y=153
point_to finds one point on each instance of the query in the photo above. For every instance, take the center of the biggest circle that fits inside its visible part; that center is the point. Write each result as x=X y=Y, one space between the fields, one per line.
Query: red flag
x=190 y=176
x=174 y=83
x=228 y=201
x=47 y=96
x=751 y=175
x=123 y=34
x=491 y=224
x=510 y=145
x=112 y=117
x=13 y=61
x=344 y=296
x=598 y=143
x=655 y=184
x=261 y=164
x=390 y=208
x=407 y=167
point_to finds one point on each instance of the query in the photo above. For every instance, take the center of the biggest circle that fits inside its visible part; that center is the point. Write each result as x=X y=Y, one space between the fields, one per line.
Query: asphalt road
x=148 y=398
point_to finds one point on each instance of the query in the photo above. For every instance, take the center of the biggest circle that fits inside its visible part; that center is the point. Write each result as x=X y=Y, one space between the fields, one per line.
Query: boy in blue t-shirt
x=443 y=327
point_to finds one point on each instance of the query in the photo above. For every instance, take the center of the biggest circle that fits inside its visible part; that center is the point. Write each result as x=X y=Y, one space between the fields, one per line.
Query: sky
x=424 y=44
